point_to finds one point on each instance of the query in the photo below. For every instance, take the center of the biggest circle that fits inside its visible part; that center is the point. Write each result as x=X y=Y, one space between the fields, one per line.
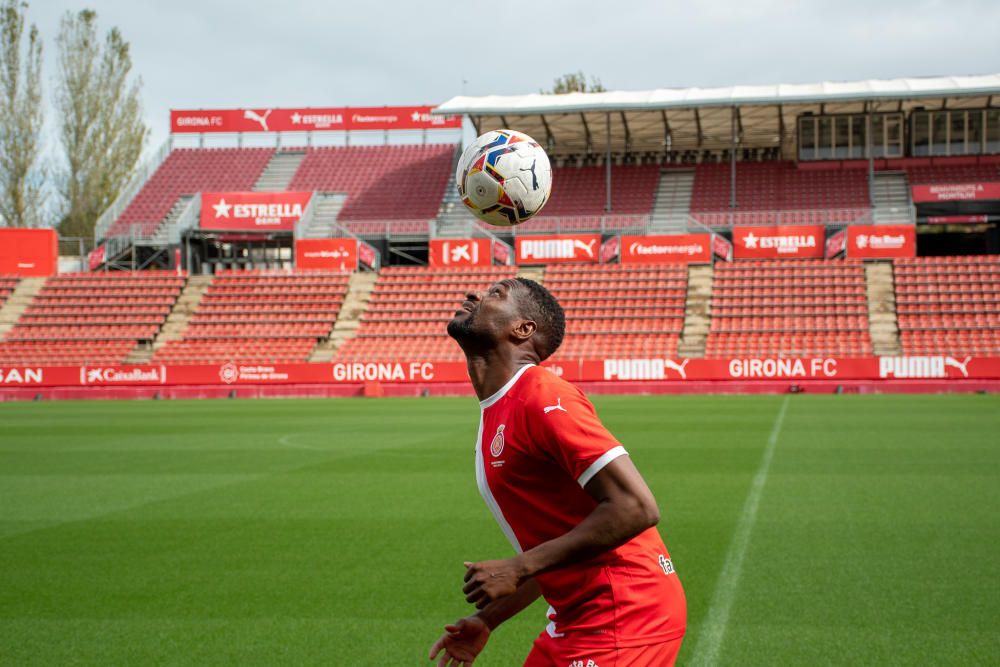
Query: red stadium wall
x=29 y=252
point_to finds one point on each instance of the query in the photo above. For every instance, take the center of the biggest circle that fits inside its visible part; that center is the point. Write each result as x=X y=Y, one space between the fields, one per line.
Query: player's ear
x=524 y=329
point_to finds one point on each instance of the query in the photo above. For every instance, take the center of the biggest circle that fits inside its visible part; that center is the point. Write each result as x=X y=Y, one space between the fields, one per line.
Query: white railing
x=307 y=216
x=188 y=220
x=727 y=219
x=132 y=188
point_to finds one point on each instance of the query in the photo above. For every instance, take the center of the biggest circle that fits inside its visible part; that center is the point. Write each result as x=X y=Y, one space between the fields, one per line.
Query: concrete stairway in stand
x=536 y=273
x=359 y=291
x=891 y=199
x=18 y=302
x=279 y=171
x=673 y=202
x=882 y=322
x=697 y=311
x=177 y=320
x=161 y=236
x=324 y=218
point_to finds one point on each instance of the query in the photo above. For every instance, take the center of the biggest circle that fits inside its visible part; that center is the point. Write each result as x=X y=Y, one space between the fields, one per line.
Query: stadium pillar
x=607 y=161
x=871 y=155
x=732 y=160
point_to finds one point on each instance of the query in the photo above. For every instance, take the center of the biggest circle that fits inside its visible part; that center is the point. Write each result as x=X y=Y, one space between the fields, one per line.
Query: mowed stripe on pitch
x=706 y=651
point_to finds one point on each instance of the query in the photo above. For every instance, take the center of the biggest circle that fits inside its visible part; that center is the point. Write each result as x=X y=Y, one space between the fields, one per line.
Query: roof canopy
x=703 y=118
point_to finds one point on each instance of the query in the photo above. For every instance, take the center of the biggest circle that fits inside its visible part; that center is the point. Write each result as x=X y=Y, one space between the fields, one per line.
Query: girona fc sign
x=460 y=252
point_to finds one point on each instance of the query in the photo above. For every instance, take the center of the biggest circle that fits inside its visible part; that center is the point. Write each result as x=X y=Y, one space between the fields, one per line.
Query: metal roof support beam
x=668 y=137
x=781 y=133
x=697 y=124
x=628 y=134
x=550 y=140
x=869 y=148
x=503 y=119
x=475 y=124
x=586 y=131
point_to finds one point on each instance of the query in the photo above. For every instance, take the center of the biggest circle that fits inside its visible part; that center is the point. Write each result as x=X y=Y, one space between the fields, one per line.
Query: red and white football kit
x=539 y=443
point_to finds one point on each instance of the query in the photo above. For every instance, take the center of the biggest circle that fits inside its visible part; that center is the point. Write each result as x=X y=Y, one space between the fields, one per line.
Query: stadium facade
x=827 y=236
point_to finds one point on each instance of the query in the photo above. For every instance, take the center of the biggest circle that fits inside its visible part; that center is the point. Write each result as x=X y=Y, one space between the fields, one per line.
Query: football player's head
x=513 y=311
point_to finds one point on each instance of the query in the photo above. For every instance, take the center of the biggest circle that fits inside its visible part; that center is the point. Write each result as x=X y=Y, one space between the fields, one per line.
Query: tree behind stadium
x=21 y=176
x=102 y=130
x=576 y=82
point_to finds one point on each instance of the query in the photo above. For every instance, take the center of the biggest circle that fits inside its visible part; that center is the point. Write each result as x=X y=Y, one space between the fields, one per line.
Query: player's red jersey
x=540 y=442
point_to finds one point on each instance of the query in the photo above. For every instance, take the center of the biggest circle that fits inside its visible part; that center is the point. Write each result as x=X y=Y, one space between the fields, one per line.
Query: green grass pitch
x=333 y=532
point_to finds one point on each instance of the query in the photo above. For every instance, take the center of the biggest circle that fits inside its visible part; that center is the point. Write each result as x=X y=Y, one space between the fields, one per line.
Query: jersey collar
x=504 y=389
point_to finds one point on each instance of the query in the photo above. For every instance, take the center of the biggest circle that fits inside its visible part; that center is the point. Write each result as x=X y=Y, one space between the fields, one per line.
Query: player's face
x=486 y=316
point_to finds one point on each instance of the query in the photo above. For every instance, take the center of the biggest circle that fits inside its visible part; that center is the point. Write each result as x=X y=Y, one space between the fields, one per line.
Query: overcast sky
x=212 y=54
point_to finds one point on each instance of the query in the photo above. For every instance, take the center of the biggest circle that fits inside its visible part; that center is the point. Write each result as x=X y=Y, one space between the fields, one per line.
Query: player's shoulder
x=543 y=387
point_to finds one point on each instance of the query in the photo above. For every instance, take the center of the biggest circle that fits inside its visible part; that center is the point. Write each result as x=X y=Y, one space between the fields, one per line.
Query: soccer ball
x=504 y=177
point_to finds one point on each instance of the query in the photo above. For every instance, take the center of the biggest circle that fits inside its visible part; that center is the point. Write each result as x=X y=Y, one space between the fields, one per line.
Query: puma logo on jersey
x=557 y=406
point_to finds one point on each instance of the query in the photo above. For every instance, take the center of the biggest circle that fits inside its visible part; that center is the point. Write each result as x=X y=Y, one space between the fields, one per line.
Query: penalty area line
x=714 y=629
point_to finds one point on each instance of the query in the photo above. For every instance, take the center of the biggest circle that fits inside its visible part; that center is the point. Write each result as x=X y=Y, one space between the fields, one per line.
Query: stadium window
x=920 y=132
x=939 y=133
x=892 y=141
x=807 y=138
x=993 y=130
x=974 y=131
x=824 y=143
x=956 y=133
x=858 y=141
x=842 y=137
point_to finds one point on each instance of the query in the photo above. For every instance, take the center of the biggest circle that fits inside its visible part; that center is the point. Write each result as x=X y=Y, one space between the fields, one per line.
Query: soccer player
x=566 y=495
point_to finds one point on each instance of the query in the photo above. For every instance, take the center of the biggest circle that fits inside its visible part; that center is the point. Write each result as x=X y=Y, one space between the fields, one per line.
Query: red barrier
x=444 y=372
x=252 y=211
x=557 y=249
x=333 y=254
x=309 y=119
x=460 y=252
x=880 y=241
x=29 y=252
x=782 y=241
x=672 y=249
x=955 y=192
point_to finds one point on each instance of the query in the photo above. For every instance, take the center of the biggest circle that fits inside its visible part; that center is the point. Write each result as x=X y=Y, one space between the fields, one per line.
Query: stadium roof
x=701 y=118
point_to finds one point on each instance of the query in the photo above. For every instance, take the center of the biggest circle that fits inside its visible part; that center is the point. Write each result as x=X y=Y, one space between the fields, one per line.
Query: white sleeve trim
x=598 y=465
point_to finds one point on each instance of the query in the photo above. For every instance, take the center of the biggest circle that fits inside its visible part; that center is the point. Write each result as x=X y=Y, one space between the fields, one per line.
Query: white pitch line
x=714 y=630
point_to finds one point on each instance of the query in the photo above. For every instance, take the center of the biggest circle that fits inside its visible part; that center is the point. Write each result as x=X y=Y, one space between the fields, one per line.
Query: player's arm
x=625 y=508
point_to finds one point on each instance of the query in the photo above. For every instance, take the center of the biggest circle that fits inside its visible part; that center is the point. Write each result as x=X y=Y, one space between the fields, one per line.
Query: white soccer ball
x=504 y=177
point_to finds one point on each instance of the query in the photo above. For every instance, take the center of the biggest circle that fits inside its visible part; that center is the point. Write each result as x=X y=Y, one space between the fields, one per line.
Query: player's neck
x=490 y=371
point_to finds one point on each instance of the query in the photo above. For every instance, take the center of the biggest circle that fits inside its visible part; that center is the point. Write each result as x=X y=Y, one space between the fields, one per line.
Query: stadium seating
x=7 y=285
x=765 y=189
x=409 y=309
x=948 y=305
x=948 y=170
x=402 y=184
x=91 y=317
x=580 y=196
x=259 y=316
x=619 y=310
x=789 y=308
x=187 y=171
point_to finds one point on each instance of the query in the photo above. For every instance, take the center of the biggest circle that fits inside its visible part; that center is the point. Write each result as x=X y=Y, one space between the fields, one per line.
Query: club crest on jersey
x=496 y=447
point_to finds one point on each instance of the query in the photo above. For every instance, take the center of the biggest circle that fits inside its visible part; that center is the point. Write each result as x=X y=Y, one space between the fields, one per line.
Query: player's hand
x=490 y=580
x=461 y=642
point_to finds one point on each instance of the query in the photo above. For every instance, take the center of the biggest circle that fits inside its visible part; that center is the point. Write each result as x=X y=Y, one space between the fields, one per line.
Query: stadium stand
x=948 y=305
x=789 y=308
x=948 y=170
x=259 y=316
x=404 y=184
x=804 y=195
x=579 y=200
x=91 y=317
x=187 y=171
x=619 y=310
x=409 y=309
